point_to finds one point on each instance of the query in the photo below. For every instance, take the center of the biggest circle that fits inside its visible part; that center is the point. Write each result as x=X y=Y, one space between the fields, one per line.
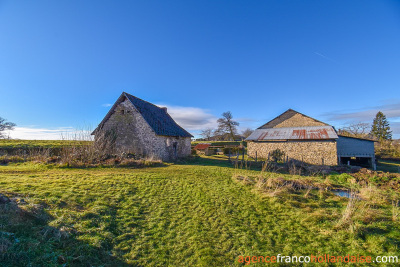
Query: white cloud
x=61 y=133
x=191 y=118
x=107 y=105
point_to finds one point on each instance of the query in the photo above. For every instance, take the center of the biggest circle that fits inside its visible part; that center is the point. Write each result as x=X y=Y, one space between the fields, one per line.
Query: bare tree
x=359 y=130
x=246 y=133
x=226 y=124
x=5 y=125
x=207 y=133
x=218 y=135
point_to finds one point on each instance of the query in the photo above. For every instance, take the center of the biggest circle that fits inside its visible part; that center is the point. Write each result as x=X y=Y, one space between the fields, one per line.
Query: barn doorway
x=365 y=162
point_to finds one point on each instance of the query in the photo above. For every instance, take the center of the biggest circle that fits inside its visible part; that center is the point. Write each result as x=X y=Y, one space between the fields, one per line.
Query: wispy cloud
x=107 y=105
x=325 y=57
x=60 y=133
x=391 y=109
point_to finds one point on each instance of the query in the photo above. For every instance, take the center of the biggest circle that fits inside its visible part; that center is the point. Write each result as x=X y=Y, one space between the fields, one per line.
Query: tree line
x=380 y=129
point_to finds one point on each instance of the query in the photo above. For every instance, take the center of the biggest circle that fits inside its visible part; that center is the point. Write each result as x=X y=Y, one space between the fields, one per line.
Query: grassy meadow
x=202 y=212
x=32 y=144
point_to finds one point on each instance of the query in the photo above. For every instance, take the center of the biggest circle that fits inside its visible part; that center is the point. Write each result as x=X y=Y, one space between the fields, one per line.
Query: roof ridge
x=296 y=112
x=141 y=100
x=156 y=117
x=308 y=117
x=159 y=117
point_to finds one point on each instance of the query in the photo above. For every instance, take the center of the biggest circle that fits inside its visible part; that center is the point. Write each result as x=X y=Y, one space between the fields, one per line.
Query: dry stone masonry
x=145 y=130
x=306 y=139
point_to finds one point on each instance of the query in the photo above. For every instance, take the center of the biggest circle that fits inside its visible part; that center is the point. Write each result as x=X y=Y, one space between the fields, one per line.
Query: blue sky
x=63 y=62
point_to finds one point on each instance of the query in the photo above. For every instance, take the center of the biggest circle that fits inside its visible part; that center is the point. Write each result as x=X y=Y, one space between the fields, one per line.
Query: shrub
x=277 y=155
x=341 y=178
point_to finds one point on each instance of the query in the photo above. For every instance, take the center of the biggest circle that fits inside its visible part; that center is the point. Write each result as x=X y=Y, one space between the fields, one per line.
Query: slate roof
x=284 y=116
x=157 y=118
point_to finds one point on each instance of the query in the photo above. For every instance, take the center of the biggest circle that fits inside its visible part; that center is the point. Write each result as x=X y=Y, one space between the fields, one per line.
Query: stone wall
x=134 y=135
x=299 y=120
x=312 y=152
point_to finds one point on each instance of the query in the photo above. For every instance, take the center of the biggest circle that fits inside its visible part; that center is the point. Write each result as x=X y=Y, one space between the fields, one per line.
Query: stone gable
x=134 y=135
x=292 y=118
x=299 y=120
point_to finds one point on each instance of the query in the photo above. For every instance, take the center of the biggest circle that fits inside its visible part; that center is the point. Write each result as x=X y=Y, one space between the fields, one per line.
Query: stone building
x=308 y=140
x=203 y=149
x=143 y=129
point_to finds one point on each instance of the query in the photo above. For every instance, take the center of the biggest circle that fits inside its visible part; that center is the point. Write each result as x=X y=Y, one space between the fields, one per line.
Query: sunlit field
x=203 y=212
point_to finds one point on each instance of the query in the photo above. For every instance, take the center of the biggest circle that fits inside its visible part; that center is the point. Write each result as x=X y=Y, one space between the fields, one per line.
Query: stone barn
x=203 y=149
x=143 y=129
x=308 y=140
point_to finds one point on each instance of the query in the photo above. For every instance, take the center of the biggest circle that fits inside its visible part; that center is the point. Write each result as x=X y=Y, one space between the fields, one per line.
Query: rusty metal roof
x=201 y=146
x=294 y=133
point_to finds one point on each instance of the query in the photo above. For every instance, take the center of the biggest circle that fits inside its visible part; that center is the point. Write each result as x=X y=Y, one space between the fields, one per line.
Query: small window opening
x=122 y=112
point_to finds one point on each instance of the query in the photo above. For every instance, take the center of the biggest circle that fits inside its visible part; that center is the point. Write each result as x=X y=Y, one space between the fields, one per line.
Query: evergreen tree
x=380 y=127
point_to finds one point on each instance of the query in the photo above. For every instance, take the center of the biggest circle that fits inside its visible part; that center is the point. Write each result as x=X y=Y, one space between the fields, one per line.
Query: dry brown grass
x=374 y=195
x=353 y=206
x=395 y=210
x=277 y=186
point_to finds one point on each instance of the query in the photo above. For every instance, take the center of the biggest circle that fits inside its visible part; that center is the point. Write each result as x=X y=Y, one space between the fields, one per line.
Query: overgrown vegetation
x=77 y=152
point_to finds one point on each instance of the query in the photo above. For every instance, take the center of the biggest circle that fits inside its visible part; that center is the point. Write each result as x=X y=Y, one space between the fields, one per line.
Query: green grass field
x=32 y=144
x=188 y=214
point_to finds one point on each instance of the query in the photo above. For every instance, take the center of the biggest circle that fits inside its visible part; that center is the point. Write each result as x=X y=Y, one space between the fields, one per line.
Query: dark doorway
x=175 y=146
x=356 y=161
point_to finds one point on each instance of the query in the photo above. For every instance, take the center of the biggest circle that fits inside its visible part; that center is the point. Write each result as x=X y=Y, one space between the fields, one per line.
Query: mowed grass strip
x=176 y=215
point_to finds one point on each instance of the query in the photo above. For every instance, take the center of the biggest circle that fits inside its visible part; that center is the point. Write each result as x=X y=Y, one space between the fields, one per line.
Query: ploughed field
x=196 y=213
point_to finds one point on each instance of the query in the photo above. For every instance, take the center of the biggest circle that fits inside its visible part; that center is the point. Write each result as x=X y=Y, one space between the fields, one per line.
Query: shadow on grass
x=27 y=239
x=223 y=161
x=134 y=165
x=388 y=166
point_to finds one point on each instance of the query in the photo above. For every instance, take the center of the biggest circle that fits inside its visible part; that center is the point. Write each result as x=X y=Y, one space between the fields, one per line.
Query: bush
x=341 y=178
x=14 y=159
x=277 y=155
